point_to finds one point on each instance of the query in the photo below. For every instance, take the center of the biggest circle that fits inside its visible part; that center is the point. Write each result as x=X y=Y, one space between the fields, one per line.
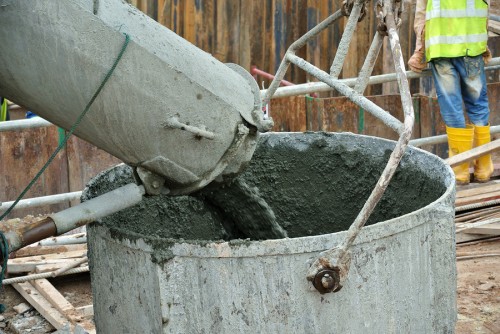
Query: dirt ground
x=478 y=291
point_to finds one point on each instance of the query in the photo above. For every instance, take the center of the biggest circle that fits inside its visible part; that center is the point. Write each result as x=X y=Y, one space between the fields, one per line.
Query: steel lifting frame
x=329 y=271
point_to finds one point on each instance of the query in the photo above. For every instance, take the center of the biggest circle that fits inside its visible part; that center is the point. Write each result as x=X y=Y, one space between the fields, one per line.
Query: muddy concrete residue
x=315 y=183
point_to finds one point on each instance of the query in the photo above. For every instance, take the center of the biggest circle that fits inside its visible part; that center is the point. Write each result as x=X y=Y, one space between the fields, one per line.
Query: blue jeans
x=460 y=80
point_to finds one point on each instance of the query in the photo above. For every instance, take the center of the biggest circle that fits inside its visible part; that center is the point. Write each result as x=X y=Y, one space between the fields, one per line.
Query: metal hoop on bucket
x=329 y=272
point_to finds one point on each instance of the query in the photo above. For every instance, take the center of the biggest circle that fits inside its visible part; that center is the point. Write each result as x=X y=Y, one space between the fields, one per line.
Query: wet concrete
x=315 y=183
x=245 y=208
x=155 y=269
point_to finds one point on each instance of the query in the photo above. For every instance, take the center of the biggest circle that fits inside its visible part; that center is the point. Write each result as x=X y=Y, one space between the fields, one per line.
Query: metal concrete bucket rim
x=305 y=244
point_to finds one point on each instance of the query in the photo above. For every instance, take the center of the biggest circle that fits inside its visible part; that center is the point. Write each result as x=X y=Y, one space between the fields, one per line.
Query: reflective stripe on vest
x=455 y=28
x=3 y=111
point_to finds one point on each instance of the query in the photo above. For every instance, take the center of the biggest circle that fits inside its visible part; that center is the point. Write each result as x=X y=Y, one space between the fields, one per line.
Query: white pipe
x=442 y=138
x=98 y=207
x=41 y=201
x=314 y=87
x=35 y=122
x=73 y=239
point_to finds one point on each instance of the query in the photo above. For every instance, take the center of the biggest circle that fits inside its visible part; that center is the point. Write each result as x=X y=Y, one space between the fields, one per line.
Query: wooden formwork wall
x=338 y=114
x=258 y=32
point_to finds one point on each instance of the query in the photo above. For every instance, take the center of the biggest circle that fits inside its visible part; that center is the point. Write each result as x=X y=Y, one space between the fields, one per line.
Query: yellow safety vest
x=455 y=28
x=3 y=111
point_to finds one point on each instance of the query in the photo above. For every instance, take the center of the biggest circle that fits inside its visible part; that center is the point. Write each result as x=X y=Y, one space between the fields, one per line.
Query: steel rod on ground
x=369 y=63
x=42 y=275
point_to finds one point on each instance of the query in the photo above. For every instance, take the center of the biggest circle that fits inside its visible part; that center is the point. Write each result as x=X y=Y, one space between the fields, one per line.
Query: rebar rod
x=49 y=274
x=350 y=93
x=369 y=63
x=345 y=41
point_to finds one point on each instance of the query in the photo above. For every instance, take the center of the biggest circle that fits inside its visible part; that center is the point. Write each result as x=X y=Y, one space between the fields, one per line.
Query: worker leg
x=460 y=137
x=460 y=140
x=474 y=92
x=449 y=93
x=474 y=89
x=483 y=166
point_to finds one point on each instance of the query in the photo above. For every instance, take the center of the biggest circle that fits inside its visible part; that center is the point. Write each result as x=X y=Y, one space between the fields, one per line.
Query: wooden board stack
x=41 y=294
x=477 y=211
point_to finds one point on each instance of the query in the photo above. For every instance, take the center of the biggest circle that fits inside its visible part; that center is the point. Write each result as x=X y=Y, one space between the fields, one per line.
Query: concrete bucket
x=168 y=265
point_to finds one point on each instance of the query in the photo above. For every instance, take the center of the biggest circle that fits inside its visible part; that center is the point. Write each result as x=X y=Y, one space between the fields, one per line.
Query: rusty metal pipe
x=20 y=234
x=255 y=72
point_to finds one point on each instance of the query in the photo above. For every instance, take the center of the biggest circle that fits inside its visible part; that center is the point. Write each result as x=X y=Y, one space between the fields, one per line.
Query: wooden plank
x=477 y=198
x=298 y=28
x=280 y=34
x=246 y=35
x=340 y=115
x=205 y=27
x=164 y=10
x=494 y=26
x=474 y=153
x=289 y=114
x=486 y=188
x=42 y=305
x=87 y=311
x=374 y=126
x=462 y=237
x=25 y=267
x=313 y=54
x=221 y=43
x=62 y=255
x=325 y=53
x=52 y=267
x=233 y=13
x=189 y=21
x=49 y=292
x=257 y=32
x=176 y=17
x=490 y=229
x=44 y=250
x=270 y=49
x=314 y=114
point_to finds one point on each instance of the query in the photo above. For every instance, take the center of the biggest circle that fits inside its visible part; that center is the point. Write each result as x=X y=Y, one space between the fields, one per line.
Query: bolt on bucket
x=171 y=265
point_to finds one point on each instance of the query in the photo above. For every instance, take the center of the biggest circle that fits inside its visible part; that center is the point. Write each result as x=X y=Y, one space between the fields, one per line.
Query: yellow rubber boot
x=483 y=166
x=459 y=141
